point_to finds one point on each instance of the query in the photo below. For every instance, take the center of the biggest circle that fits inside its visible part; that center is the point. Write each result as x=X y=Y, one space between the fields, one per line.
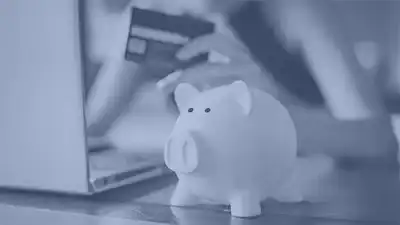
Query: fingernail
x=165 y=88
x=216 y=57
x=161 y=85
x=164 y=85
x=182 y=55
x=168 y=82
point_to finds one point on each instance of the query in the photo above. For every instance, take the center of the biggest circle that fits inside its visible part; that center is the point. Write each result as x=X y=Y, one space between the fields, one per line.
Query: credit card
x=154 y=38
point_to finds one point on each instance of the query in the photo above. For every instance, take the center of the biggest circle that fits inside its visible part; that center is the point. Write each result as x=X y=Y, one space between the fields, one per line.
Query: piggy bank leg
x=245 y=205
x=291 y=191
x=183 y=197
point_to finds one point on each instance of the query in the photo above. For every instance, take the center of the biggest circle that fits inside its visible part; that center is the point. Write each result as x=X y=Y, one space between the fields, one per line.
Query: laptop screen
x=41 y=116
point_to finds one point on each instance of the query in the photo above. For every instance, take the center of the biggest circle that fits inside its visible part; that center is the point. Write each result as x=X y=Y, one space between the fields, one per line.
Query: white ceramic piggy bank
x=231 y=145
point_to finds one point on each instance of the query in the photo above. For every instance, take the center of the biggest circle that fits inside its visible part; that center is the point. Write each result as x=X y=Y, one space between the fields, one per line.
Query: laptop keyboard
x=114 y=160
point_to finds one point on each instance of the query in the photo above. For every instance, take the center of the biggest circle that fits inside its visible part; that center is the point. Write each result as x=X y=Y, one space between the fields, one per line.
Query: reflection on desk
x=356 y=195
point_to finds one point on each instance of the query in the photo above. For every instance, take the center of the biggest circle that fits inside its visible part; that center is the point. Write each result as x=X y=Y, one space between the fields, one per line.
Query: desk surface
x=356 y=195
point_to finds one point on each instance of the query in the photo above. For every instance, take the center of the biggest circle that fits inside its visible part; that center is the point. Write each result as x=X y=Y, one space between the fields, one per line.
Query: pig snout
x=181 y=153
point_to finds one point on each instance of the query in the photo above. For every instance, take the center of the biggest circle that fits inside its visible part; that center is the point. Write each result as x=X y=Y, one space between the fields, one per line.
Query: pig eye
x=207 y=110
x=190 y=110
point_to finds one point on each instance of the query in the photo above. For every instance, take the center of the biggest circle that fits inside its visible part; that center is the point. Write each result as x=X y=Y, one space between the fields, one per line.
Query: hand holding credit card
x=155 y=38
x=229 y=60
x=187 y=49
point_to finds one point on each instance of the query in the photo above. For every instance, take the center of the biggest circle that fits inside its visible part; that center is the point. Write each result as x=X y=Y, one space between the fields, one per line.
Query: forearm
x=117 y=78
x=349 y=93
x=393 y=83
x=111 y=95
x=329 y=50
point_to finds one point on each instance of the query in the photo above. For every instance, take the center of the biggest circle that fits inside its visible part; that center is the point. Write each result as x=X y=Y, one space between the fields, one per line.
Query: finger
x=208 y=70
x=217 y=42
x=211 y=72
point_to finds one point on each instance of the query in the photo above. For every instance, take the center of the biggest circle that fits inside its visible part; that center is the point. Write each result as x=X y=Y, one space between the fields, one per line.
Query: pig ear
x=184 y=93
x=242 y=95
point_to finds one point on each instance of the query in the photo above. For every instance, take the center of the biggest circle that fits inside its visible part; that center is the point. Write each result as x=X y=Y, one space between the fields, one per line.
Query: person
x=349 y=120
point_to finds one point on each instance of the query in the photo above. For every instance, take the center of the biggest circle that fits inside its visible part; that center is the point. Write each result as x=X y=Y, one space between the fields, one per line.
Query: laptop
x=44 y=146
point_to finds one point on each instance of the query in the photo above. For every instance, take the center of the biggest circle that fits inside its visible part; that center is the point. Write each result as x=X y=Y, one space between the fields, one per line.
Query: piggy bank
x=232 y=145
